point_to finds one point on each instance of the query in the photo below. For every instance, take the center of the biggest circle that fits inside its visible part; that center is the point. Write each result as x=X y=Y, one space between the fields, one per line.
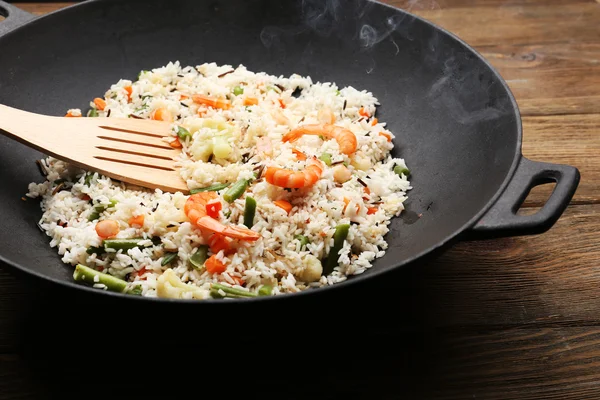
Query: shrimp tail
x=294 y=135
x=195 y=209
x=212 y=225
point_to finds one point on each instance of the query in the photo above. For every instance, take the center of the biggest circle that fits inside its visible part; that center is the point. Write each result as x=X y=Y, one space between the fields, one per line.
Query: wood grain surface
x=513 y=318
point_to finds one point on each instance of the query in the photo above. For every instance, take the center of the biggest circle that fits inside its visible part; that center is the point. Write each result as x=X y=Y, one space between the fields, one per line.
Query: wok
x=456 y=121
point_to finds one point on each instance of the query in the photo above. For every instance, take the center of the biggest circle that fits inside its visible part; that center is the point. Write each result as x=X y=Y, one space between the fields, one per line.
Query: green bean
x=303 y=240
x=183 y=133
x=135 y=291
x=93 y=216
x=399 y=170
x=91 y=276
x=122 y=244
x=229 y=291
x=249 y=211
x=213 y=188
x=88 y=179
x=236 y=190
x=92 y=113
x=168 y=259
x=199 y=257
x=340 y=235
x=95 y=250
x=265 y=290
x=99 y=208
x=238 y=90
x=102 y=207
x=326 y=158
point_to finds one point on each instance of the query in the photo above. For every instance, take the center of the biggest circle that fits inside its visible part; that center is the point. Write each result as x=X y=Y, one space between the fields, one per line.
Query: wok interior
x=454 y=121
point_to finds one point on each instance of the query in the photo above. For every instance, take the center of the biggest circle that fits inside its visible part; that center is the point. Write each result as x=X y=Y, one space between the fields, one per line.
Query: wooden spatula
x=129 y=150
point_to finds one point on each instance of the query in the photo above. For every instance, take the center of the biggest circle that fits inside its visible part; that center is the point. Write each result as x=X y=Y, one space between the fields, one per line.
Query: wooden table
x=498 y=319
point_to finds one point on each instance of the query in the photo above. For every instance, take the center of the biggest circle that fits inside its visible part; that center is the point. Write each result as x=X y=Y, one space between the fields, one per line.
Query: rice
x=226 y=146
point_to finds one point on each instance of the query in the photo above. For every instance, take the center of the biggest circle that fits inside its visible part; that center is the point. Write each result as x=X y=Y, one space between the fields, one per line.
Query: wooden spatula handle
x=29 y=128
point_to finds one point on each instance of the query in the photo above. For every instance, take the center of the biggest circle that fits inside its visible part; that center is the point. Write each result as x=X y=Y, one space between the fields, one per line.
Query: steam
x=457 y=90
x=322 y=16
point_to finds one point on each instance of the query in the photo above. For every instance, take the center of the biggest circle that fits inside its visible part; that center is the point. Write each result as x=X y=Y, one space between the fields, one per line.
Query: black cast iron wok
x=457 y=124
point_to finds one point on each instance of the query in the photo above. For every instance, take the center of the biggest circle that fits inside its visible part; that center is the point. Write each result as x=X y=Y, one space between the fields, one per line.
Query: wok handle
x=15 y=17
x=502 y=219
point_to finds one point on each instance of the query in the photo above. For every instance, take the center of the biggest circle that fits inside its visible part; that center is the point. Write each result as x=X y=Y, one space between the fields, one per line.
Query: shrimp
x=264 y=146
x=325 y=116
x=279 y=117
x=161 y=114
x=295 y=179
x=344 y=137
x=107 y=228
x=211 y=101
x=195 y=209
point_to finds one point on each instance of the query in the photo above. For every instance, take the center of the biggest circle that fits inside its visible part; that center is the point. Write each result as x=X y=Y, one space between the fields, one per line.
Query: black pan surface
x=456 y=122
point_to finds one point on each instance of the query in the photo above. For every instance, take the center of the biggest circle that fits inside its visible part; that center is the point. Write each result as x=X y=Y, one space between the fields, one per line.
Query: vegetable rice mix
x=292 y=186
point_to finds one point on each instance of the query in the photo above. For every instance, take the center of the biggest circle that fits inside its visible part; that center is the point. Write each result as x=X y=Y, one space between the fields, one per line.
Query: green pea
x=399 y=170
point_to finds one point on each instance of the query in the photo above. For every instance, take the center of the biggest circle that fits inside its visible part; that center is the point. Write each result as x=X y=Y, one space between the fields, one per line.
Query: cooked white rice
x=276 y=259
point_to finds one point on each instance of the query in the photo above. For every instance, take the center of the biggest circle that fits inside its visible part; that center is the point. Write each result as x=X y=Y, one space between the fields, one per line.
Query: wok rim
x=352 y=280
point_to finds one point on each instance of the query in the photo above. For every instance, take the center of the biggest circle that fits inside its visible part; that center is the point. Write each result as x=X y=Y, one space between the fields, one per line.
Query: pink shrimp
x=195 y=209
x=264 y=146
x=345 y=138
x=295 y=179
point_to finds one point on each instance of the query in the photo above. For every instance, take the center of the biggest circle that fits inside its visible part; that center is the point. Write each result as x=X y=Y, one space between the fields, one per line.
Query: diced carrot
x=238 y=280
x=214 y=266
x=385 y=135
x=183 y=97
x=176 y=144
x=250 y=101
x=363 y=113
x=285 y=205
x=281 y=103
x=212 y=209
x=137 y=222
x=211 y=102
x=299 y=155
x=161 y=114
x=346 y=202
x=218 y=242
x=371 y=210
x=366 y=190
x=129 y=91
x=322 y=234
x=374 y=122
x=141 y=272
x=70 y=115
x=100 y=103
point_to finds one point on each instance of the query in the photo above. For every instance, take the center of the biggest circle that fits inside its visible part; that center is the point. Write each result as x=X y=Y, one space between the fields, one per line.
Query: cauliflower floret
x=312 y=270
x=169 y=286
